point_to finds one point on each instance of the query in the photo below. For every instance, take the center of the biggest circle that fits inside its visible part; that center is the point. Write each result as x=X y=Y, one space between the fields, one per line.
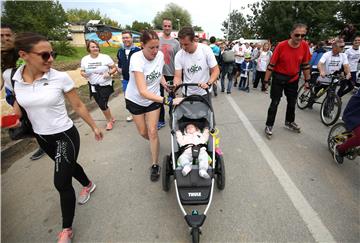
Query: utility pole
x=229 y=23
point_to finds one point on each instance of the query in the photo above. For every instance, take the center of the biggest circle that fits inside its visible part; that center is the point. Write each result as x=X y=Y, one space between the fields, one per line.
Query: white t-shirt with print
x=95 y=68
x=152 y=71
x=195 y=67
x=43 y=100
x=332 y=63
x=263 y=60
x=353 y=58
x=239 y=50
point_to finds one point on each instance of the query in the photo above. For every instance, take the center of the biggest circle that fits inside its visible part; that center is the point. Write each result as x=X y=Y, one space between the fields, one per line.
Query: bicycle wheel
x=335 y=135
x=303 y=97
x=330 y=109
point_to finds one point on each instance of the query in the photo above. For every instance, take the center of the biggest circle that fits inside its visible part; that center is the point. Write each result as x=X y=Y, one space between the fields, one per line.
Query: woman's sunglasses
x=300 y=35
x=46 y=55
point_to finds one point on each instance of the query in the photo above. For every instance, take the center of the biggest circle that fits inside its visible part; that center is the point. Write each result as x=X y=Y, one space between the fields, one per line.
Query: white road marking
x=308 y=214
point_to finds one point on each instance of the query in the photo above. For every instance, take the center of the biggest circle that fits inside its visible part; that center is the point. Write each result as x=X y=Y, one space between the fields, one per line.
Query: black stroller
x=193 y=189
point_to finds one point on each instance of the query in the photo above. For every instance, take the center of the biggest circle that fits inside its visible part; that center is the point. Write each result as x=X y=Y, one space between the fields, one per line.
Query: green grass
x=81 y=52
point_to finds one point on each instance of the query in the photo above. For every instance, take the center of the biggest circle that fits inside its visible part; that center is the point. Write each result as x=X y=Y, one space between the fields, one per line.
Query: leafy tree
x=239 y=27
x=140 y=26
x=197 y=28
x=349 y=12
x=274 y=19
x=83 y=16
x=44 y=17
x=178 y=16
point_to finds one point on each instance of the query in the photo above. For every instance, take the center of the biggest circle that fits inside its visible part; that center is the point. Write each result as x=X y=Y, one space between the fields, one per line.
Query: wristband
x=208 y=84
x=266 y=81
x=168 y=100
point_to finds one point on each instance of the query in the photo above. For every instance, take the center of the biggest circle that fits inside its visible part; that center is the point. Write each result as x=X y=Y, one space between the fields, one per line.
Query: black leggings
x=63 y=148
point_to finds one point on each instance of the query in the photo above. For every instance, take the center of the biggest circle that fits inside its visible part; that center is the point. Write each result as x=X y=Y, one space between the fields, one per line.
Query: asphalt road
x=287 y=189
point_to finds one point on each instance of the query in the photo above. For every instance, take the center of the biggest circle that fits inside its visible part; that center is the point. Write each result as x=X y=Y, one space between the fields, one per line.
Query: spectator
x=124 y=54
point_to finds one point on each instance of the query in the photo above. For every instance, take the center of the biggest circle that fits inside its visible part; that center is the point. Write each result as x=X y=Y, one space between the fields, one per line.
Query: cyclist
x=331 y=62
x=353 y=55
x=351 y=117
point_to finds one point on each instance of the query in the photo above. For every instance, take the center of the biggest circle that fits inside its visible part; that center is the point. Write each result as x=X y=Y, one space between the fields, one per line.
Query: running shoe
x=109 y=126
x=154 y=172
x=38 y=154
x=160 y=125
x=65 y=236
x=129 y=118
x=85 y=193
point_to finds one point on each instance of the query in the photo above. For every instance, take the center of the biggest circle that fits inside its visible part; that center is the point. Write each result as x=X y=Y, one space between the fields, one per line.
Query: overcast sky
x=209 y=14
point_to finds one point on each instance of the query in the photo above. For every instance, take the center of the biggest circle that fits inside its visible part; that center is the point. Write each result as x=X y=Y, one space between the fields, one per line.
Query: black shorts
x=102 y=95
x=136 y=109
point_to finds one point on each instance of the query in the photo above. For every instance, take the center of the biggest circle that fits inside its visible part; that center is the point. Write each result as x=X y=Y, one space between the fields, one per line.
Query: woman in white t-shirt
x=142 y=95
x=41 y=91
x=262 y=63
x=97 y=68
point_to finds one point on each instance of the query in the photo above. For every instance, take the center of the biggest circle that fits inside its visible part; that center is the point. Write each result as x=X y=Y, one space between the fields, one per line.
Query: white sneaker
x=204 y=174
x=129 y=118
x=185 y=171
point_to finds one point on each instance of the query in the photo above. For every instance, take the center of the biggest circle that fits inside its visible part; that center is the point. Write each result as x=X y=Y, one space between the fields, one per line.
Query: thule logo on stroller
x=194 y=194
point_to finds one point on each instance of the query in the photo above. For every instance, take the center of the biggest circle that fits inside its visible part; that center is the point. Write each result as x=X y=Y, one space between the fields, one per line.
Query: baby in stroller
x=193 y=142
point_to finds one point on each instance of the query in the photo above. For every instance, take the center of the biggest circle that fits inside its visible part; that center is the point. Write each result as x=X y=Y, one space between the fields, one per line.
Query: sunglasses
x=46 y=55
x=342 y=46
x=300 y=35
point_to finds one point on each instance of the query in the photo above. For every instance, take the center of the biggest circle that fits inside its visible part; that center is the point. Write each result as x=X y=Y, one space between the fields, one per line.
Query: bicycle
x=338 y=135
x=331 y=105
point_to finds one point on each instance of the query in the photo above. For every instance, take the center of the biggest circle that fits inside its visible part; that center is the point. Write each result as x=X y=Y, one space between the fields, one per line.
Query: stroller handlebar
x=187 y=85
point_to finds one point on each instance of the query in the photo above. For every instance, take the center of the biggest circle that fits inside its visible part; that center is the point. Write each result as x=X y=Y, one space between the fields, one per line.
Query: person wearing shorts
x=98 y=68
x=142 y=95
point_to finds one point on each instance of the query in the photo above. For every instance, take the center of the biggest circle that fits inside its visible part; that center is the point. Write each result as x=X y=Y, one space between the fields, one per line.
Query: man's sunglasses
x=342 y=46
x=300 y=35
x=46 y=55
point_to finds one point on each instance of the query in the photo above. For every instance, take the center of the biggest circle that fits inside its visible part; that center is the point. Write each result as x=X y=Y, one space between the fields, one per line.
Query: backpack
x=25 y=130
x=228 y=56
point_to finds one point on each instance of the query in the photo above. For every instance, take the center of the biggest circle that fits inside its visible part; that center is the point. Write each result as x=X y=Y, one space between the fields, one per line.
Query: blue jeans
x=124 y=84
x=227 y=69
x=254 y=71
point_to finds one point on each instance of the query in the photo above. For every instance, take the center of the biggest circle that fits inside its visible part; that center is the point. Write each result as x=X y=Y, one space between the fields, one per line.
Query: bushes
x=64 y=48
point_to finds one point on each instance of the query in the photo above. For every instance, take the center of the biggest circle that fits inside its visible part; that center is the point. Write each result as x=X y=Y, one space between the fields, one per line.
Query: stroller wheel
x=195 y=234
x=220 y=172
x=166 y=172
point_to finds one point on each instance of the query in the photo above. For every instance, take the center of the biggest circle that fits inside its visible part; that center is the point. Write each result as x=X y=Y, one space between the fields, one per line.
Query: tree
x=239 y=27
x=83 y=16
x=44 y=17
x=178 y=16
x=274 y=19
x=197 y=28
x=140 y=26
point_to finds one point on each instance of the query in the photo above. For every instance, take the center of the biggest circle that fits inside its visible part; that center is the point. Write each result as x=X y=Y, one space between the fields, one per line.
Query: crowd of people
x=148 y=76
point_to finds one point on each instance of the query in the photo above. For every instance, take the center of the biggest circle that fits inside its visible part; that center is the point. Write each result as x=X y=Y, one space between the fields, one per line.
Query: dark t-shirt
x=287 y=59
